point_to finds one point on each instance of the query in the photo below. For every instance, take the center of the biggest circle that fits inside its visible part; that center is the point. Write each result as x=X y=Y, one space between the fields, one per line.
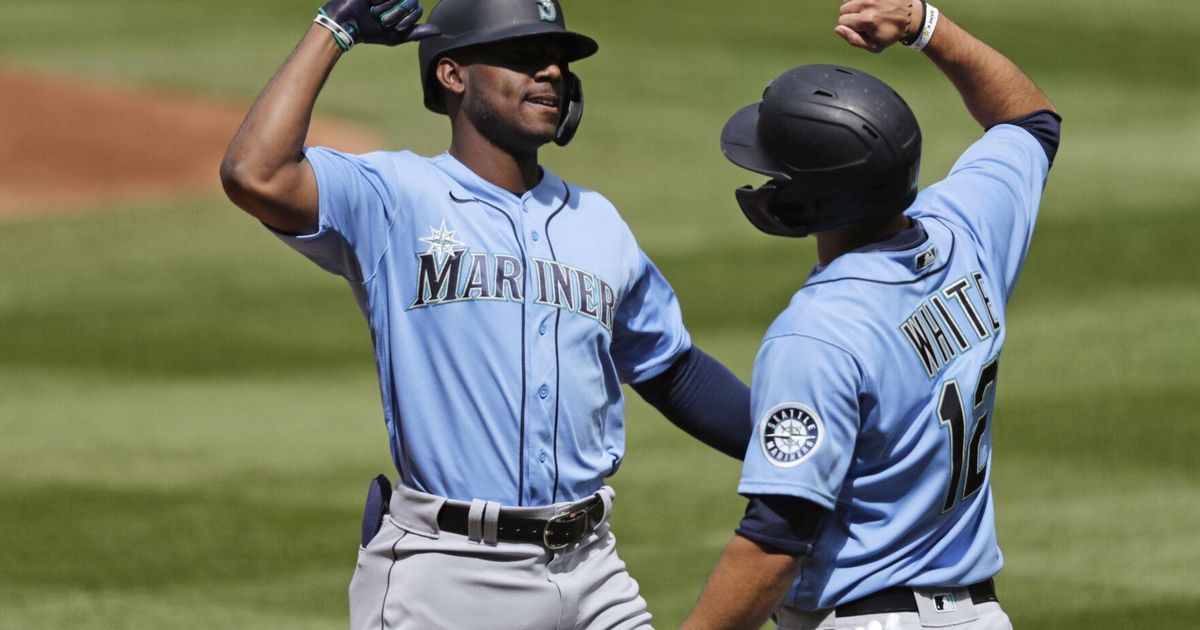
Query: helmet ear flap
x=572 y=114
x=758 y=204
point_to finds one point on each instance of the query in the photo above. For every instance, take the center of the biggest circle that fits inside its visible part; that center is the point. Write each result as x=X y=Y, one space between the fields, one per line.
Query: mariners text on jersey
x=932 y=330
x=441 y=280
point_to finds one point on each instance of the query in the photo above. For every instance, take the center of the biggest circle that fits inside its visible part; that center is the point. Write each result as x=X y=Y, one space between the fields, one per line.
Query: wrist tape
x=340 y=35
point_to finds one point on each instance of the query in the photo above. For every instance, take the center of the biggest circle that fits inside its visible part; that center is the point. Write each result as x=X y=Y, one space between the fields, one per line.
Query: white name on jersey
x=932 y=330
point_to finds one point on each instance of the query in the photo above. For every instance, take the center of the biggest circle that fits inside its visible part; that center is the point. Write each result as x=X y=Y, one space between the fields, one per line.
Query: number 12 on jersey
x=963 y=454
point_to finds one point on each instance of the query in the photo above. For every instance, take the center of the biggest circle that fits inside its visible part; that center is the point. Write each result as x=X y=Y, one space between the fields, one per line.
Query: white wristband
x=343 y=37
x=930 y=21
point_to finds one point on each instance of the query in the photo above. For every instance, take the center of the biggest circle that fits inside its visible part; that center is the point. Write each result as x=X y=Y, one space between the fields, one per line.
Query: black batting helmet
x=840 y=146
x=466 y=23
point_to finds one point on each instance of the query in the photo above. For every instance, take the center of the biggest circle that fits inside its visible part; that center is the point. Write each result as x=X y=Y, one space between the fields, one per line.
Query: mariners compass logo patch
x=789 y=433
x=442 y=243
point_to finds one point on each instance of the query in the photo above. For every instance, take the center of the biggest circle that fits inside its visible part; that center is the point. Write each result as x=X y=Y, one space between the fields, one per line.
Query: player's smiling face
x=514 y=92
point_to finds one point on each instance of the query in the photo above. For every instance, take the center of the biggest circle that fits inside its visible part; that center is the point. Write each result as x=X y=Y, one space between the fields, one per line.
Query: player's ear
x=450 y=74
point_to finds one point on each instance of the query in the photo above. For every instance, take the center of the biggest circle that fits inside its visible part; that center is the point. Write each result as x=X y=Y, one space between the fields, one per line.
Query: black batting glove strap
x=386 y=22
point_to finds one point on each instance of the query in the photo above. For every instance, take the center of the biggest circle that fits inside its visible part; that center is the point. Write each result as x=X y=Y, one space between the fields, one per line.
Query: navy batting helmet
x=840 y=146
x=466 y=23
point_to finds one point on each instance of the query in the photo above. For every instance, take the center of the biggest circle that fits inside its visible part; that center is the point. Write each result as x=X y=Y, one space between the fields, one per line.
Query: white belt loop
x=491 y=522
x=606 y=495
x=475 y=521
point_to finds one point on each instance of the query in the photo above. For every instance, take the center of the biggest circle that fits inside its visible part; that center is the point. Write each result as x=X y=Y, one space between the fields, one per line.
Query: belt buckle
x=566 y=518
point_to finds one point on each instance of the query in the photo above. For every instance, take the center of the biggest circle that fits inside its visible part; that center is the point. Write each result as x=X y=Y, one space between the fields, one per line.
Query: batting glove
x=387 y=22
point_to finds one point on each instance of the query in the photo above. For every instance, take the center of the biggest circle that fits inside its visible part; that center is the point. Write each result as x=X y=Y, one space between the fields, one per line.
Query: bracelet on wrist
x=928 y=25
x=340 y=35
x=904 y=37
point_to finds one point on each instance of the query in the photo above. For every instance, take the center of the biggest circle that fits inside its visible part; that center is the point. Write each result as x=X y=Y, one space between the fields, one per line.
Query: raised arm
x=264 y=171
x=994 y=89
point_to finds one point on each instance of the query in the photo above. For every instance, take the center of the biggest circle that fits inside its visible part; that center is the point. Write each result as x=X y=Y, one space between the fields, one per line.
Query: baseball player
x=873 y=392
x=506 y=308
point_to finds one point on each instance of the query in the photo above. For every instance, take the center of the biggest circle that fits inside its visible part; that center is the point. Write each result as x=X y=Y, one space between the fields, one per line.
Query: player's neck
x=834 y=243
x=516 y=173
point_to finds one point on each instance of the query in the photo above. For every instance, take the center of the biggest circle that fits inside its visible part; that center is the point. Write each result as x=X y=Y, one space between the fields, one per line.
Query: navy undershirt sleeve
x=784 y=523
x=705 y=399
x=1045 y=126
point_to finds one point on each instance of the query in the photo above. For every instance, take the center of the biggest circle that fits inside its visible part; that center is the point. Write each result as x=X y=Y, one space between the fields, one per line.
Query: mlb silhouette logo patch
x=944 y=602
x=925 y=259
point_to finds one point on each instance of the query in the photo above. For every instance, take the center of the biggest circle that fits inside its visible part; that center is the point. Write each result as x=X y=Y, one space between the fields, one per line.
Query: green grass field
x=189 y=413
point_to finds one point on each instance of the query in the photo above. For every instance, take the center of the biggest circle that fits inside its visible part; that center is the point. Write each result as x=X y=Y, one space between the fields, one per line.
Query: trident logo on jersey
x=449 y=271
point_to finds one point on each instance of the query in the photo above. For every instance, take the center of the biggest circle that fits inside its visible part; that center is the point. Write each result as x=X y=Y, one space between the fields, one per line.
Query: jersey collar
x=550 y=193
x=906 y=257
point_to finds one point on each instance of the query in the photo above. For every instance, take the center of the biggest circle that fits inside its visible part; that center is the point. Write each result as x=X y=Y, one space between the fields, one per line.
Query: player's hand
x=873 y=25
x=386 y=22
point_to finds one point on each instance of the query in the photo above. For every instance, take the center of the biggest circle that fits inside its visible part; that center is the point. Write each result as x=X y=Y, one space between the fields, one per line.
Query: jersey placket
x=541 y=350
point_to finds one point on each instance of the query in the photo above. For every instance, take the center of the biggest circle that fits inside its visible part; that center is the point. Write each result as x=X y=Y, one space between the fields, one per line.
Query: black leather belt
x=900 y=599
x=556 y=532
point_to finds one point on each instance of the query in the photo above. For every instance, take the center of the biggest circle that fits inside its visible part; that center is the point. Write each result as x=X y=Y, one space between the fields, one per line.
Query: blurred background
x=189 y=413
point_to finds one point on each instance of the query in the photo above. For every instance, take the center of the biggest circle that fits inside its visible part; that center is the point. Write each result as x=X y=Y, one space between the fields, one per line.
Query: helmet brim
x=574 y=46
x=740 y=144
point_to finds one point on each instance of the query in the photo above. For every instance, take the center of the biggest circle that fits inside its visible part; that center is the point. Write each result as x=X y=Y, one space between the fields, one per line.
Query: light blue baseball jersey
x=503 y=325
x=873 y=390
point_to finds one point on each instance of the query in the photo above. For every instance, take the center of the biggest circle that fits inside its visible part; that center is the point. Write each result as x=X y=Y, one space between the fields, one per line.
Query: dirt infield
x=68 y=144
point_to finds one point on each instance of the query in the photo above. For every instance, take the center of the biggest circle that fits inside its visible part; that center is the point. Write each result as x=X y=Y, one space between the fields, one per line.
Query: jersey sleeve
x=993 y=192
x=358 y=198
x=648 y=331
x=805 y=400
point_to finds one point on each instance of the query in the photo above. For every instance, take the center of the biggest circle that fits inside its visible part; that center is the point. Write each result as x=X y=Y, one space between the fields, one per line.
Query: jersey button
x=543 y=391
x=542 y=457
x=534 y=235
x=542 y=329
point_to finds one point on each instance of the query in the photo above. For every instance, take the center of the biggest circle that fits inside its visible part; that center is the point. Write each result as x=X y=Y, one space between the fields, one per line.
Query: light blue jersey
x=503 y=325
x=873 y=391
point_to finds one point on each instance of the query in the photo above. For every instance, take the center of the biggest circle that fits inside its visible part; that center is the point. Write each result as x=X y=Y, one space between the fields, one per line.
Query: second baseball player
x=874 y=390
